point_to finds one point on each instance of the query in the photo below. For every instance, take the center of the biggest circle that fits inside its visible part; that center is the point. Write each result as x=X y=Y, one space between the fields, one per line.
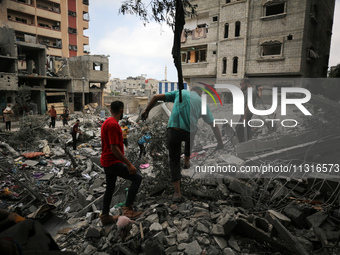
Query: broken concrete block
x=228 y=251
x=193 y=248
x=233 y=244
x=153 y=218
x=92 y=232
x=170 y=240
x=285 y=221
x=159 y=237
x=182 y=237
x=295 y=214
x=202 y=228
x=170 y=250
x=221 y=242
x=156 y=227
x=241 y=187
x=217 y=230
x=316 y=219
x=203 y=240
x=246 y=228
x=182 y=246
x=153 y=247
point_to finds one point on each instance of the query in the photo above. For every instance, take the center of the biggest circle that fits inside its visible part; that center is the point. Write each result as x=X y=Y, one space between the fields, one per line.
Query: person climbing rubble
x=182 y=126
x=116 y=164
x=145 y=139
x=75 y=130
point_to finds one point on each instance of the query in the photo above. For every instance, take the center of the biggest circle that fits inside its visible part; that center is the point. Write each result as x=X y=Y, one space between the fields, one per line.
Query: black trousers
x=8 y=125
x=175 y=139
x=65 y=123
x=74 y=140
x=53 y=122
x=142 y=150
x=121 y=170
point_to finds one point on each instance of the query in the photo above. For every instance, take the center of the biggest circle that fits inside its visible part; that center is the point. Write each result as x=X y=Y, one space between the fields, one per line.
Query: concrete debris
x=221 y=215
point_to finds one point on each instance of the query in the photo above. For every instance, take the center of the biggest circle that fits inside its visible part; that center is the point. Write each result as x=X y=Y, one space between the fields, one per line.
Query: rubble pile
x=41 y=178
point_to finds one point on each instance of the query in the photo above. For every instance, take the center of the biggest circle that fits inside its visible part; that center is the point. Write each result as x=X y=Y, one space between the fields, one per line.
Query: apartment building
x=232 y=39
x=58 y=24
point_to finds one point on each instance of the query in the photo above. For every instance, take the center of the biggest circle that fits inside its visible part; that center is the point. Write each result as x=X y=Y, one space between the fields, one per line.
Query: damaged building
x=273 y=38
x=57 y=81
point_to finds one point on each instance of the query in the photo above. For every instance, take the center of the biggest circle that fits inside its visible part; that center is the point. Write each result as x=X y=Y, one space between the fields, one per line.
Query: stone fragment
x=281 y=217
x=156 y=227
x=182 y=246
x=170 y=240
x=182 y=237
x=92 y=232
x=221 y=242
x=316 y=219
x=228 y=251
x=193 y=248
x=217 y=230
x=202 y=228
x=233 y=244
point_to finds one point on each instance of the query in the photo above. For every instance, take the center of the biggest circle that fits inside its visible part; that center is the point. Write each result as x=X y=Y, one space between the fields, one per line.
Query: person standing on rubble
x=75 y=131
x=53 y=113
x=145 y=139
x=125 y=130
x=64 y=117
x=182 y=126
x=244 y=133
x=116 y=164
x=7 y=114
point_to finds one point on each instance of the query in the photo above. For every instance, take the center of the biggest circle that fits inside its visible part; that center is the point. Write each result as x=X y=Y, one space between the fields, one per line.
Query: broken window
x=224 y=65
x=86 y=2
x=21 y=20
x=97 y=66
x=274 y=8
x=86 y=16
x=237 y=28
x=72 y=30
x=72 y=13
x=73 y=47
x=312 y=54
x=271 y=48
x=201 y=55
x=226 y=30
x=194 y=55
x=235 y=65
x=227 y=1
x=215 y=19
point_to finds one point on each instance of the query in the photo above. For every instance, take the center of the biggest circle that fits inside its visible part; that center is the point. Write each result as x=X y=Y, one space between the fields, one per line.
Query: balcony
x=25 y=8
x=48 y=14
x=85 y=25
x=18 y=26
x=86 y=40
x=49 y=32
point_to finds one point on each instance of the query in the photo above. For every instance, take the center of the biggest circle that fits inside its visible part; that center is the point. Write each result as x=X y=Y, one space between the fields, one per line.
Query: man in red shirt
x=116 y=164
x=53 y=113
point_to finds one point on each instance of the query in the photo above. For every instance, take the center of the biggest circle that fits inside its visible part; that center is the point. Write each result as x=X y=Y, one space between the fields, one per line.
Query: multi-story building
x=57 y=24
x=232 y=39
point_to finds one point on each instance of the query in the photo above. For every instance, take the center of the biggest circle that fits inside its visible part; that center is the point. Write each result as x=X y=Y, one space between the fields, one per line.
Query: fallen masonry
x=60 y=191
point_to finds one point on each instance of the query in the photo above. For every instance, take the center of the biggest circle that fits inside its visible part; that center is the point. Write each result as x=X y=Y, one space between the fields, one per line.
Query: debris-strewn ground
x=42 y=178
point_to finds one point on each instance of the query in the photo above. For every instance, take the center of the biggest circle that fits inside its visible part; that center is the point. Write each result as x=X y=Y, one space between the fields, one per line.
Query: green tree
x=335 y=73
x=156 y=10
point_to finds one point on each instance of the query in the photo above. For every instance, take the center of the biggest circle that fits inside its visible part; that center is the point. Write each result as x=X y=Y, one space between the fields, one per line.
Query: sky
x=135 y=49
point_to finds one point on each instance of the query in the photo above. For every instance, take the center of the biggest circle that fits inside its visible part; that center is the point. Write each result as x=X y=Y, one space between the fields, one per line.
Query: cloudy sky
x=135 y=49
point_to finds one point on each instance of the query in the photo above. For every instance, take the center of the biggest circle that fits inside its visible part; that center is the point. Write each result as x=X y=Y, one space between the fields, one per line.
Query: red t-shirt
x=111 y=133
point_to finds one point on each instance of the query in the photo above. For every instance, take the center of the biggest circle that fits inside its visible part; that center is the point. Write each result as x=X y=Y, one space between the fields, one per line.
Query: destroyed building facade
x=231 y=39
x=72 y=82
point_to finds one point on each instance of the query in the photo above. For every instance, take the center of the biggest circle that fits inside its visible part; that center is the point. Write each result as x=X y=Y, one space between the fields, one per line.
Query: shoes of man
x=107 y=219
x=130 y=213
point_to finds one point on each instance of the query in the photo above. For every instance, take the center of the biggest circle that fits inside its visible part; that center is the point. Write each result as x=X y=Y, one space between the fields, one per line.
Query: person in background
x=75 y=130
x=53 y=113
x=125 y=130
x=7 y=113
x=145 y=139
x=116 y=164
x=64 y=117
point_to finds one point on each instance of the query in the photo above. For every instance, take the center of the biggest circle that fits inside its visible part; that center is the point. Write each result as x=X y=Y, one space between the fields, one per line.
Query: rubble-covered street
x=44 y=180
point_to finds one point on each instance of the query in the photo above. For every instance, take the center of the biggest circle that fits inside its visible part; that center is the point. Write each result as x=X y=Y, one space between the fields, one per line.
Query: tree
x=172 y=12
x=156 y=10
x=335 y=72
